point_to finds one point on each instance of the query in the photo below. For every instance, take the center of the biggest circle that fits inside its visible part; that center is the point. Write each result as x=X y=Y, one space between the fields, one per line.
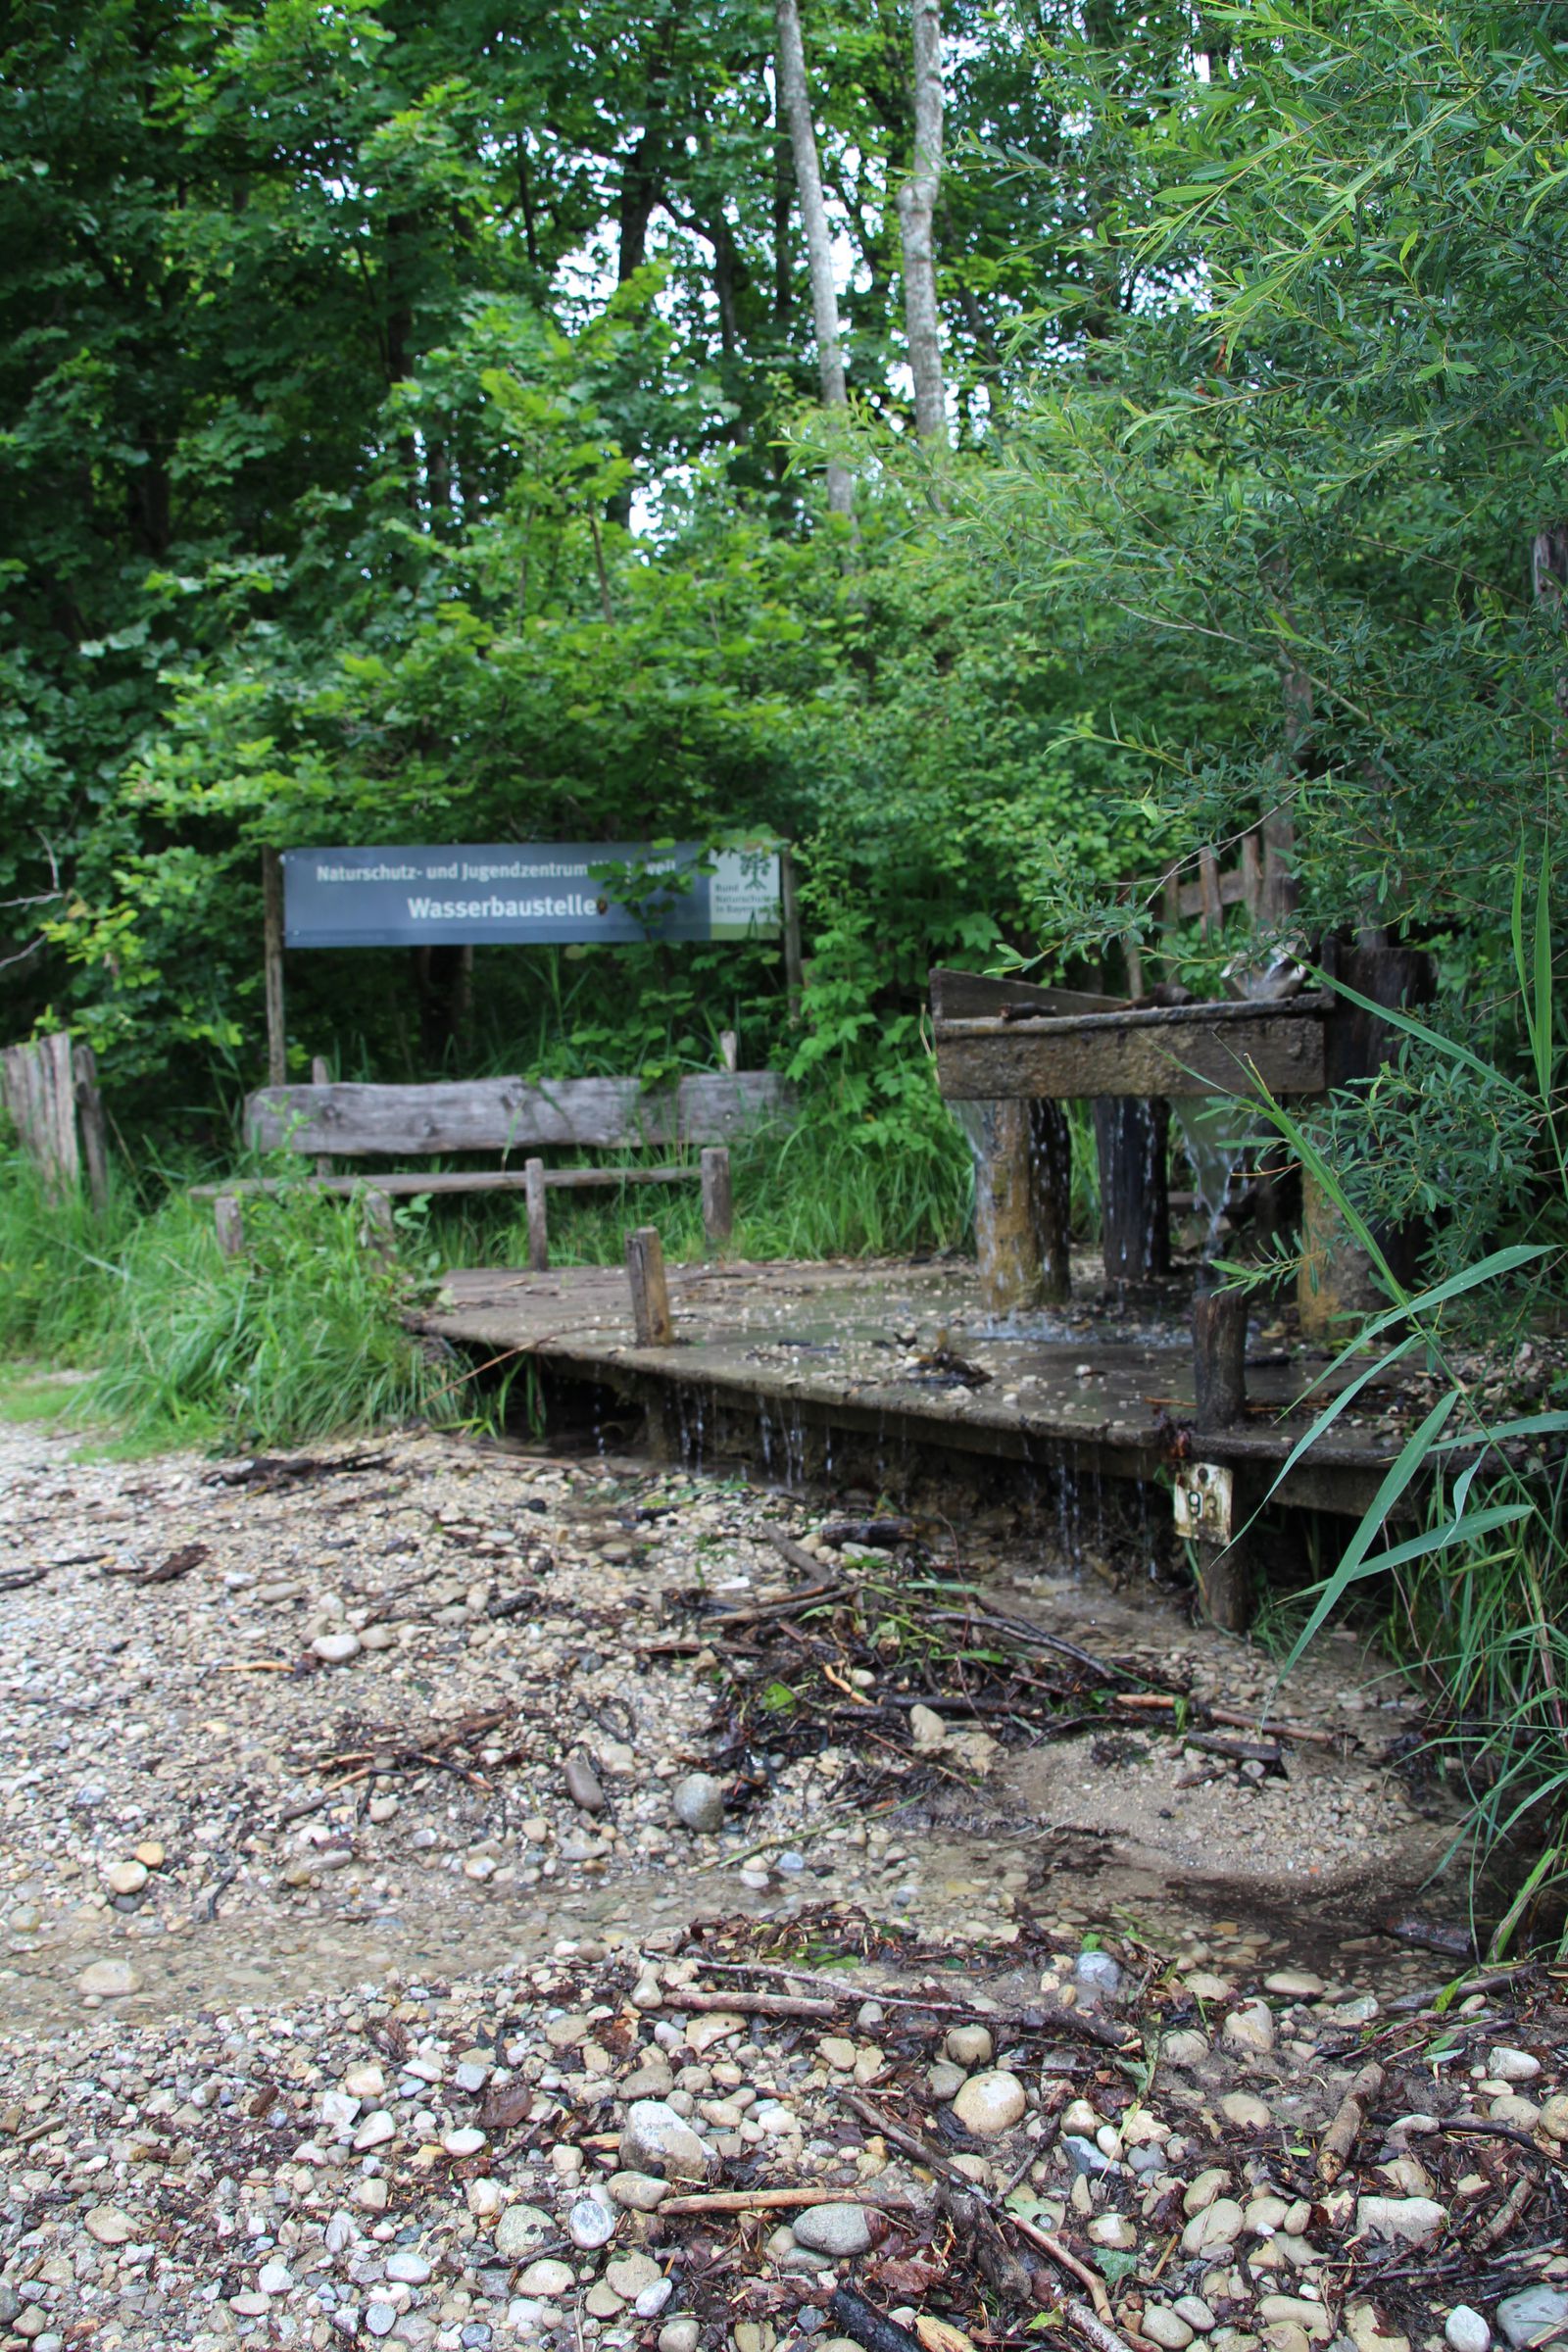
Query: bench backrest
x=504 y=1114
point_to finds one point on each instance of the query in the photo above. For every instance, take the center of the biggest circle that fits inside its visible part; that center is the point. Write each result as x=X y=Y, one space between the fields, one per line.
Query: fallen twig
x=821 y=2011
x=854 y=2317
x=1341 y=2136
x=760 y=2200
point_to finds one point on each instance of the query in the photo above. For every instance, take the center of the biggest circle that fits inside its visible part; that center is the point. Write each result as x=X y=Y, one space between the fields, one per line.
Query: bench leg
x=378 y=1227
x=538 y=1216
x=229 y=1218
x=718 y=1198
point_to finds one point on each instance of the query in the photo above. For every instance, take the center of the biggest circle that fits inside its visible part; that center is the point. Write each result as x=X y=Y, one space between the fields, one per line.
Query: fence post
x=94 y=1130
x=650 y=1293
x=536 y=1199
x=272 y=965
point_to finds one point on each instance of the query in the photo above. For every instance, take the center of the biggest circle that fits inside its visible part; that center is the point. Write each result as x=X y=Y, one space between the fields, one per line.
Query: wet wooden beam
x=1186 y=1049
x=650 y=1293
x=1219 y=1358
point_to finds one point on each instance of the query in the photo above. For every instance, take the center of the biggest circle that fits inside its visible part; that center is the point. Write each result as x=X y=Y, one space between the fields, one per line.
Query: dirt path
x=318 y=1767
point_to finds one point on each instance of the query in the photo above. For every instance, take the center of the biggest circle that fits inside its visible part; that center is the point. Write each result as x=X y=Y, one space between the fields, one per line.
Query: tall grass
x=1476 y=1595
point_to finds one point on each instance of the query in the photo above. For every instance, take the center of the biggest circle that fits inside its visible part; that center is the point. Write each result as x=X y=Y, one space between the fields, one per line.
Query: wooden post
x=272 y=957
x=729 y=1050
x=1007 y=1240
x=1252 y=874
x=1130 y=1138
x=379 y=1232
x=1051 y=1189
x=94 y=1128
x=1213 y=904
x=321 y=1075
x=1225 y=1584
x=229 y=1218
x=533 y=1175
x=42 y=1099
x=650 y=1293
x=790 y=916
x=718 y=1198
x=1219 y=1358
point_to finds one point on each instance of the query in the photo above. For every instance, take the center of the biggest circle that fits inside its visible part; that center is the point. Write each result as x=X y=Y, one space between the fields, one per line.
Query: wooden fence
x=1260 y=880
x=50 y=1089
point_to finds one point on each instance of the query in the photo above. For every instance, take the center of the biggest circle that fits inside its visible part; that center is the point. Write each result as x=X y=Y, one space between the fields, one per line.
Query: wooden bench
x=329 y=1122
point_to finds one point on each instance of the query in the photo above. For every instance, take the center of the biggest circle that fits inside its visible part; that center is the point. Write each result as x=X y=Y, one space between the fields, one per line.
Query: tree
x=795 y=104
x=918 y=204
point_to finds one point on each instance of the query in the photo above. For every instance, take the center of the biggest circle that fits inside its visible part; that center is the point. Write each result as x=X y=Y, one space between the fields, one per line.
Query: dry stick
x=1092 y=2329
x=1504 y=2220
x=758 y=2200
x=1341 y=2136
x=751 y=2004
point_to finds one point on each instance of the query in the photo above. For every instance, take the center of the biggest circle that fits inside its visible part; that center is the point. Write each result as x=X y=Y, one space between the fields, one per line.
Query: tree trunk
x=797 y=107
x=917 y=203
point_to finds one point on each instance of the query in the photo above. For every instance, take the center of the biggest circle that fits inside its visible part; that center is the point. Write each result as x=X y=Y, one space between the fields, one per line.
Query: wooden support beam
x=1006 y=1242
x=93 y=1125
x=1188 y=1049
x=718 y=1197
x=538 y=1214
x=272 y=965
x=1225 y=1584
x=1130 y=1138
x=379 y=1234
x=1219 y=1358
x=321 y=1075
x=650 y=1293
x=230 y=1219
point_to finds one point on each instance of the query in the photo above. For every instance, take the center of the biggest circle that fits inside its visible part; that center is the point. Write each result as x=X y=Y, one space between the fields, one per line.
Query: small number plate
x=1204 y=1502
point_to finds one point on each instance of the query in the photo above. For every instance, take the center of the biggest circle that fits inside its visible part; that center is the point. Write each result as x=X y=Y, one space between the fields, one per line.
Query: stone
x=1465 y=2330
x=639 y=2192
x=1185 y=2048
x=652 y=2299
x=376 y=2130
x=109 y=2225
x=839 y=2052
x=548 y=2280
x=970 y=2046
x=655 y=2140
x=1113 y=2229
x=523 y=2228
x=1246 y=2109
x=632 y=2275
x=1205 y=2188
x=109 y=1979
x=602 y=2302
x=1536 y=2315
x=582 y=1784
x=1555 y=2115
x=1512 y=2065
x=927 y=1730
x=839 y=2231
x=678 y=2335
x=275 y=2277
x=403 y=2264
x=127 y=1878
x=1408 y=2221
x=1251 y=2030
x=1097 y=1975
x=336 y=1649
x=371 y=2193
x=1294 y=1984
x=989 y=2103
x=1196 y=2312
x=1294 y=2311
x=591 y=2223
x=1218 y=2225
x=485 y=2198
x=1206 y=1987
x=1509 y=2108
x=365 y=2082
x=381 y=2317
x=149 y=1853
x=1083 y=2154
x=1164 y=2327
x=698 y=1802
x=467 y=2141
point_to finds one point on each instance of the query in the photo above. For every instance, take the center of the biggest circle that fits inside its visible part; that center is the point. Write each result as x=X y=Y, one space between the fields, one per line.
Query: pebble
x=655 y=2140
x=1250 y=2029
x=547 y=2279
x=988 y=2104
x=590 y=2223
x=1244 y=2109
x=467 y=2141
x=698 y=1802
x=1164 y=2327
x=403 y=2264
x=639 y=2192
x=1465 y=2330
x=109 y=2225
x=927 y=1730
x=1512 y=2065
x=127 y=1878
x=840 y=2231
x=109 y=1979
x=1184 y=2048
x=1196 y=2312
x=376 y=2130
x=970 y=2046
x=1533 y=2315
x=1409 y=2221
x=583 y=1783
x=336 y=1649
x=523 y=2228
x=632 y=2275
x=1555 y=2115
x=1294 y=1984
x=678 y=2335
x=1099 y=1973
x=275 y=2278
x=1218 y=2225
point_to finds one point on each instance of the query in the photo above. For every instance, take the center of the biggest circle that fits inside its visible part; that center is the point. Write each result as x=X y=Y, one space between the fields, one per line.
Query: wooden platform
x=878 y=1351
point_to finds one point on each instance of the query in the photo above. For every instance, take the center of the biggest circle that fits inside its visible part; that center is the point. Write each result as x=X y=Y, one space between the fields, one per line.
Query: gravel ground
x=406 y=1917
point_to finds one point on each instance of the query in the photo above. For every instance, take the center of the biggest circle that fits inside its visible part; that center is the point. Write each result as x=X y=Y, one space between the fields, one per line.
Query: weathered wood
x=1050 y=1175
x=729 y=1050
x=410 y=1183
x=1130 y=1138
x=1188 y=1049
x=976 y=996
x=538 y=1216
x=650 y=1293
x=1336 y=1285
x=1252 y=876
x=1225 y=1584
x=379 y=1234
x=790 y=918
x=718 y=1195
x=502 y=1115
x=41 y=1097
x=272 y=965
x=1219 y=1358
x=93 y=1125
x=321 y=1075
x=230 y=1219
x=1007 y=1240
